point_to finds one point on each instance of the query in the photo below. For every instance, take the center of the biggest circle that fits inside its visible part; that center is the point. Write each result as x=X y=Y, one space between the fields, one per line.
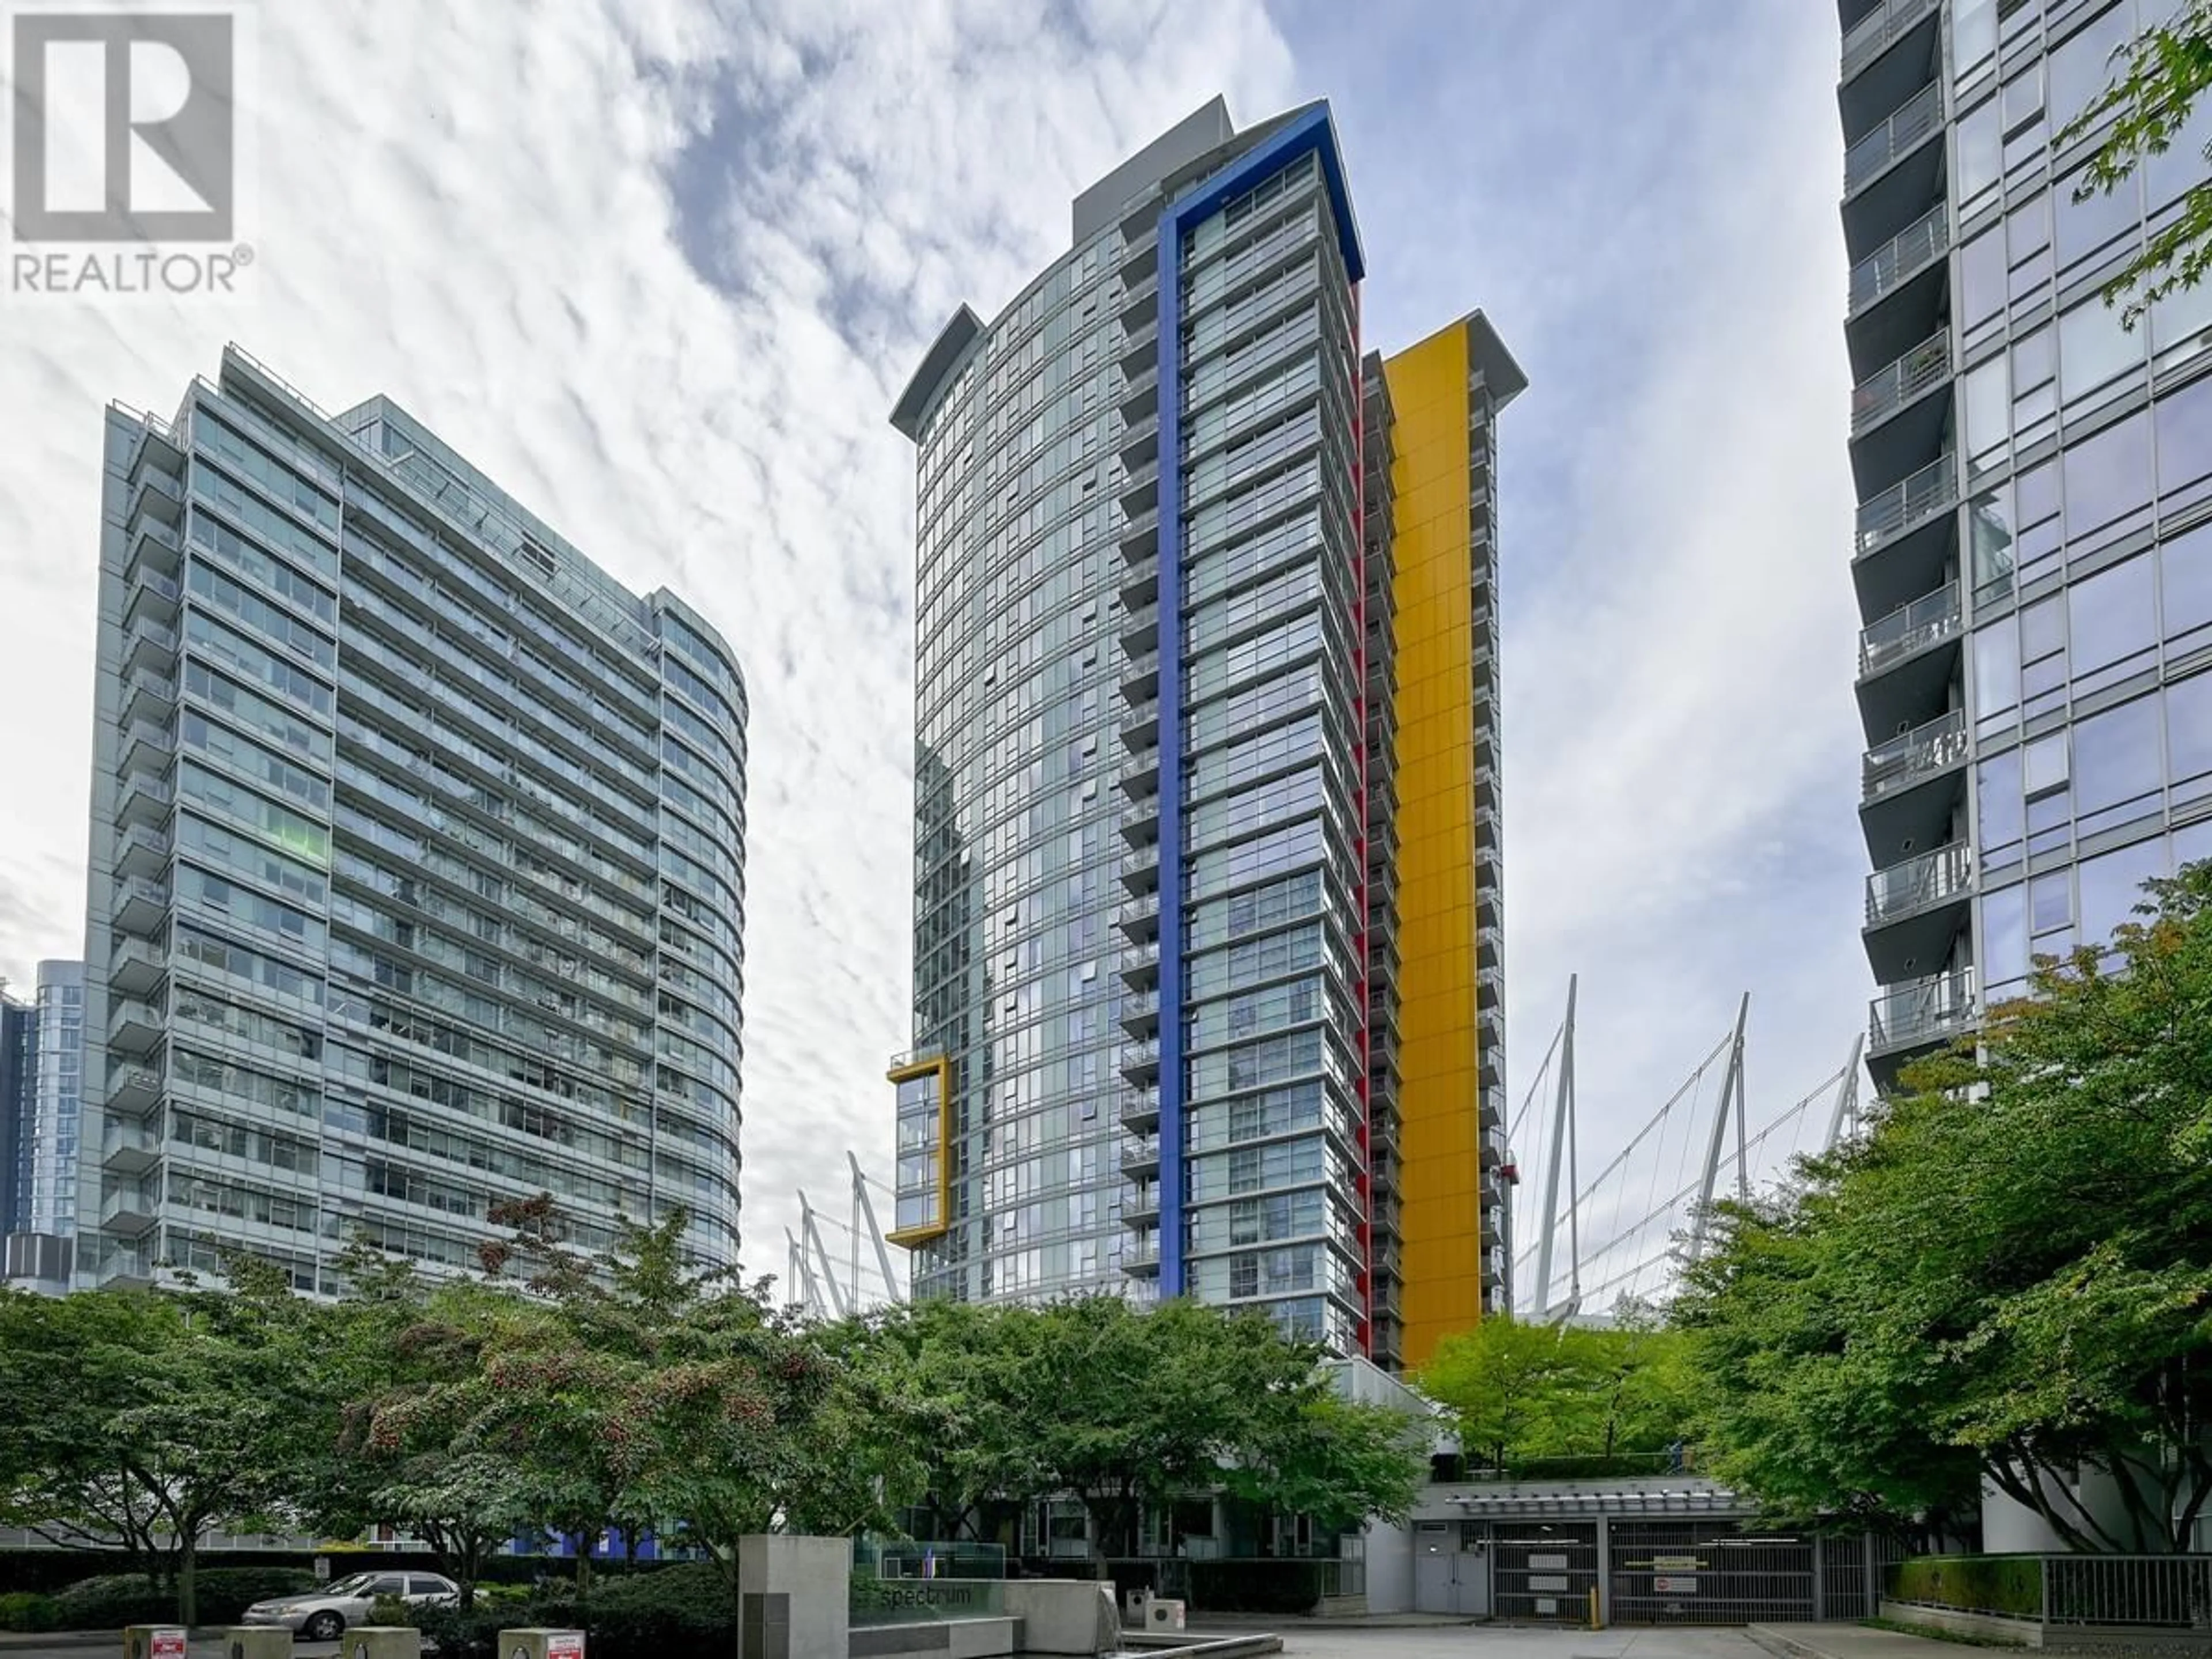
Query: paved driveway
x=1500 y=1642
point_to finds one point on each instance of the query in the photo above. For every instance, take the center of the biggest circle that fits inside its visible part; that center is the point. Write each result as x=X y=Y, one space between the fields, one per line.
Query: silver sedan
x=320 y=1615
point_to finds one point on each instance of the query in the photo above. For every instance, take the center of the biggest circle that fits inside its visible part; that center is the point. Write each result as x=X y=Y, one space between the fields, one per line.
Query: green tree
x=146 y=1417
x=1339 y=1461
x=2159 y=81
x=2011 y=1274
x=1519 y=1393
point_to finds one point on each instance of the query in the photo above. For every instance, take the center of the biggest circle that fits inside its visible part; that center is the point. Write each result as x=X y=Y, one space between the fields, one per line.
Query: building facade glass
x=1154 y=903
x=51 y=1135
x=2036 y=590
x=19 y=1072
x=418 y=858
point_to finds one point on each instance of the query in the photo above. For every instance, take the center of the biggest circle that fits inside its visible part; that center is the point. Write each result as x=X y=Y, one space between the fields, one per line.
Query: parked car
x=320 y=1615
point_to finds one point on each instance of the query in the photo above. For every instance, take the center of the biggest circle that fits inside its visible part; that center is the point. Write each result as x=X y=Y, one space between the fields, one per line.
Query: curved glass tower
x=1157 y=915
x=417 y=864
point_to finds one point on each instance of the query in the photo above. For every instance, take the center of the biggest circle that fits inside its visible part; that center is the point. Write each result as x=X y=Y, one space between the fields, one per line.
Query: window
x=2111 y=886
x=2189 y=729
x=1981 y=151
x=2116 y=764
x=2113 y=615
x=2086 y=226
x=1981 y=278
x=2081 y=66
x=2186 y=582
x=2051 y=902
x=2108 y=476
x=1996 y=668
x=1987 y=408
x=2093 y=348
x=1998 y=801
x=2044 y=764
x=2182 y=425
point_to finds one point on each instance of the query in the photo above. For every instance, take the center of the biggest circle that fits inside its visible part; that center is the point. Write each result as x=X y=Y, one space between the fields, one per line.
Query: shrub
x=111 y=1600
x=648 y=1615
x=390 y=1610
x=2011 y=1585
x=1283 y=1586
x=224 y=1593
x=27 y=1610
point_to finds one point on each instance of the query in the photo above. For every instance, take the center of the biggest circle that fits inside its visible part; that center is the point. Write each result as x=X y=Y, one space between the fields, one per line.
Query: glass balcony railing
x=1871 y=36
x=1917 y=117
x=1890 y=389
x=1927 y=621
x=1946 y=872
x=1932 y=489
x=1923 y=1011
x=1911 y=755
x=1902 y=257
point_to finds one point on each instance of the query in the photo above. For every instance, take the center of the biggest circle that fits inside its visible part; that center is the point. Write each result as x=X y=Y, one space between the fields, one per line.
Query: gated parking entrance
x=1709 y=1572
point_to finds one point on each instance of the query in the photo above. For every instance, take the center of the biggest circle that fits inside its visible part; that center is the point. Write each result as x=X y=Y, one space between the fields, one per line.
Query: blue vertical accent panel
x=1310 y=133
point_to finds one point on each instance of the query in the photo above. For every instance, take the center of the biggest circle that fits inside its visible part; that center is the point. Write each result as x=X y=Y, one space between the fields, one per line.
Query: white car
x=320 y=1615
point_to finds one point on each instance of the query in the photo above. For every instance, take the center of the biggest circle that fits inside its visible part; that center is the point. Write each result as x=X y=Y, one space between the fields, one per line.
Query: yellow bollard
x=1594 y=1624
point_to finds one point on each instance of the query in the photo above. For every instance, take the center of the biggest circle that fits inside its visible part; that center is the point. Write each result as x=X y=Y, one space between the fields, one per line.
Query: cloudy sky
x=661 y=266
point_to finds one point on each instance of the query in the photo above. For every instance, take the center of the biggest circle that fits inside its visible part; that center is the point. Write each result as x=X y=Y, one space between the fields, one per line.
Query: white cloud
x=469 y=208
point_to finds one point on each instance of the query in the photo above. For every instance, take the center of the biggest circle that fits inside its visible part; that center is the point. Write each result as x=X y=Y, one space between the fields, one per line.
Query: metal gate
x=1709 y=1572
x=1451 y=1568
x=1544 y=1573
x=1843 y=1578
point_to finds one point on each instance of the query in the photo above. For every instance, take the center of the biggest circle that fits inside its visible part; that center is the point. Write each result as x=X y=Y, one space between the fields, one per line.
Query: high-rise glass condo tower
x=417 y=862
x=19 y=1073
x=2033 y=560
x=42 y=1068
x=1159 y=791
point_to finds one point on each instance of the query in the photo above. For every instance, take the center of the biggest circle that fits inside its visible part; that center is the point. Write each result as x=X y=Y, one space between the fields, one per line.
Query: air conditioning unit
x=1162 y=1614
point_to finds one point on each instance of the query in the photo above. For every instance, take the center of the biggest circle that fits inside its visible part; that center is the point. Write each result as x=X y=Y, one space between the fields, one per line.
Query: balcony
x=1140 y=1063
x=147 y=747
x=1140 y=341
x=1139 y=868
x=129 y=1148
x=1140 y=628
x=1912 y=756
x=1387 y=1218
x=1141 y=536
x=1139 y=822
x=149 y=697
x=1909 y=502
x=1139 y=774
x=158 y=496
x=1920 y=1015
x=1493 y=1151
x=1888 y=390
x=133 y=1089
x=1140 y=726
x=146 y=802
x=134 y=1028
x=1141 y=1109
x=1868 y=40
x=140 y=906
x=1908 y=126
x=1915 y=910
x=153 y=595
x=1485 y=786
x=1140 y=965
x=1140 y=1202
x=1909 y=659
x=1140 y=675
x=150 y=646
x=154 y=546
x=1141 y=437
x=1896 y=293
x=143 y=852
x=1140 y=1156
x=127 y=1270
x=1139 y=918
x=138 y=966
x=1142 y=1254
x=128 y=1211
x=1140 y=1013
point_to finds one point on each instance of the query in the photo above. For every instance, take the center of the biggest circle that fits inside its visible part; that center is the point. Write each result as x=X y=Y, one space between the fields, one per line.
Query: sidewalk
x=1842 y=1641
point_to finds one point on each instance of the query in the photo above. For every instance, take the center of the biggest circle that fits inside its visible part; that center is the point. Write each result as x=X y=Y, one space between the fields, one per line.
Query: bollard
x=382 y=1642
x=540 y=1644
x=153 y=1641
x=258 y=1642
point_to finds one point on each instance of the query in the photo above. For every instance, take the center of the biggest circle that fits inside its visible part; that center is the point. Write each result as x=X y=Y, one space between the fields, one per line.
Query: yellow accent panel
x=1439 y=1090
x=915 y=1237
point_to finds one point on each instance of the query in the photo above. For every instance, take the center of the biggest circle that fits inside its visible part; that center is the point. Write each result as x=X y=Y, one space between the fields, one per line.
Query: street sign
x=1550 y=1582
x=1674 y=1564
x=1547 y=1563
x=1675 y=1586
x=565 y=1644
x=167 y=1644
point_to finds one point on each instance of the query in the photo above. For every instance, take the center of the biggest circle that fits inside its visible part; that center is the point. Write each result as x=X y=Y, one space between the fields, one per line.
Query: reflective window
x=2112 y=886
x=1998 y=800
x=2183 y=421
x=2097 y=219
x=1981 y=151
x=2108 y=476
x=1996 y=668
x=2186 y=582
x=1987 y=408
x=2114 y=615
x=2004 y=937
x=2082 y=65
x=2189 y=732
x=2116 y=764
x=2093 y=348
x=1981 y=278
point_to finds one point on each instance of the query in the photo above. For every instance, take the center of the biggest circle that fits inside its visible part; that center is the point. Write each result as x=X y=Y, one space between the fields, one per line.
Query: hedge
x=2010 y=1585
x=26 y=1610
x=53 y=1570
x=113 y=1600
x=681 y=1610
